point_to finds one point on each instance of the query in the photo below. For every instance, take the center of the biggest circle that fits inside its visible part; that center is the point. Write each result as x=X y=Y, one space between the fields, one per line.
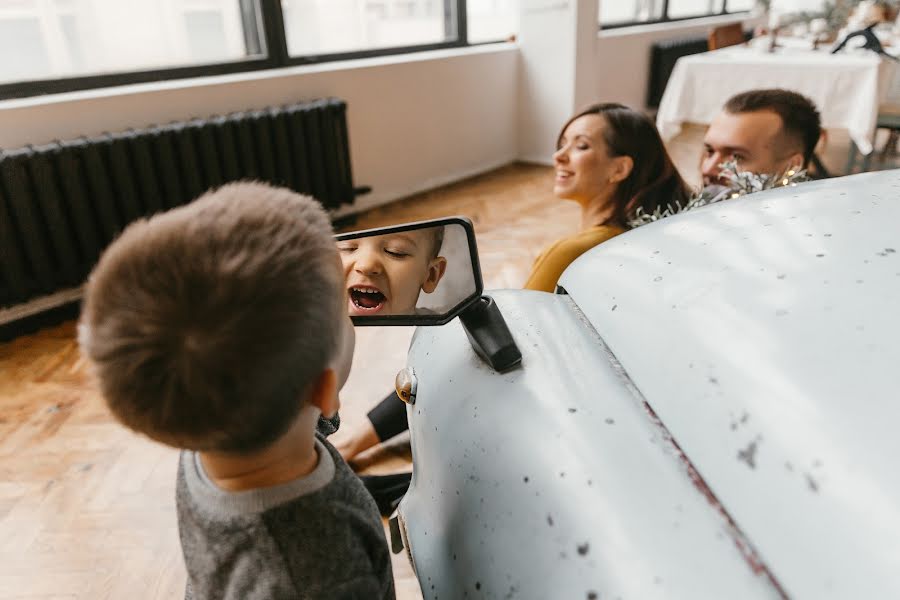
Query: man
x=764 y=132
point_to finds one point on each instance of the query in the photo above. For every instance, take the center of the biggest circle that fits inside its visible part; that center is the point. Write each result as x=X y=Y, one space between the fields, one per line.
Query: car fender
x=555 y=480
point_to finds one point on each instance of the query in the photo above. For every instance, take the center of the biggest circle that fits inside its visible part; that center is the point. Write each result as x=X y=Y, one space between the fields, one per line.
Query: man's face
x=384 y=274
x=754 y=140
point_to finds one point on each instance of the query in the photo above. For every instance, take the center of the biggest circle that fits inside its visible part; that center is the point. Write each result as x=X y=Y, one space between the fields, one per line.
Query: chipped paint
x=752 y=558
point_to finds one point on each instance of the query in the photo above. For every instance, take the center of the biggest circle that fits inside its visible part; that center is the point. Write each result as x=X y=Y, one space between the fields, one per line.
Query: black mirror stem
x=489 y=334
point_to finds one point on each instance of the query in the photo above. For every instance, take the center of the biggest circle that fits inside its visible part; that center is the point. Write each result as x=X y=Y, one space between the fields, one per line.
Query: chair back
x=726 y=35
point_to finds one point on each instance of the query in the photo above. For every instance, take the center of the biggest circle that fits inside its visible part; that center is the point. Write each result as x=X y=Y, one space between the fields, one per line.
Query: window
x=741 y=5
x=682 y=9
x=629 y=11
x=51 y=46
x=69 y=38
x=618 y=13
x=316 y=27
x=811 y=6
x=492 y=20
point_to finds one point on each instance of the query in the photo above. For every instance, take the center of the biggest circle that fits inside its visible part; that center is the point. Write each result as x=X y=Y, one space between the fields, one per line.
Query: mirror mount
x=489 y=334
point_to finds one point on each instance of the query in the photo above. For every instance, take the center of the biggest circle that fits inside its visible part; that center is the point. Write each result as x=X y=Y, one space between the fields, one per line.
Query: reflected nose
x=367 y=263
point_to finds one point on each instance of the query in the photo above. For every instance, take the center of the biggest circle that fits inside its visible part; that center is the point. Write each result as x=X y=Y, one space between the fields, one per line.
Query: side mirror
x=423 y=273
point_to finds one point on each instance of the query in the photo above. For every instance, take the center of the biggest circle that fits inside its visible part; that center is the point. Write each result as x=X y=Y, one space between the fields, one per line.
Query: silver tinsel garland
x=740 y=183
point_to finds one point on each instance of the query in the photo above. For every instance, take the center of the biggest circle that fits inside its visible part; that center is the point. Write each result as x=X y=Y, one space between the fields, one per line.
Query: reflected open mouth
x=366 y=299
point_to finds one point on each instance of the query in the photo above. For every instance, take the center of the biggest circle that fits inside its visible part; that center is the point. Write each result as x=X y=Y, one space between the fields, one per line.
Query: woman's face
x=584 y=169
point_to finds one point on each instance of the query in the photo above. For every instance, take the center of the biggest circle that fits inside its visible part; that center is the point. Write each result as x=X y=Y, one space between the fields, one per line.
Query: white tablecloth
x=847 y=87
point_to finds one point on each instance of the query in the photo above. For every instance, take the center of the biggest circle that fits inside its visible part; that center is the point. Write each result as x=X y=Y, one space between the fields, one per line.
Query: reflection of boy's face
x=385 y=273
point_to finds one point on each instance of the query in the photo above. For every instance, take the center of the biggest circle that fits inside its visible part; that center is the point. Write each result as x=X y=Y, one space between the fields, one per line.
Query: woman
x=611 y=160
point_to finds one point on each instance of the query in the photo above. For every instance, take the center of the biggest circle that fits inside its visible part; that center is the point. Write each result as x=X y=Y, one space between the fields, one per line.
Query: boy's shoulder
x=322 y=540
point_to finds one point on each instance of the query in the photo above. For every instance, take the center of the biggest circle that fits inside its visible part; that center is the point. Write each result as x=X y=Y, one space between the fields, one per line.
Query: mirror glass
x=418 y=273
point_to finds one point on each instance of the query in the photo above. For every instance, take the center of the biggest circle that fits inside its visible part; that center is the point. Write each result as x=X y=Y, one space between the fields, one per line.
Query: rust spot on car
x=812 y=483
x=748 y=454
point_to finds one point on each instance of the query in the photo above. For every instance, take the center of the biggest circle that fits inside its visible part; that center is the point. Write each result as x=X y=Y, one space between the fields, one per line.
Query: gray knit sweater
x=317 y=537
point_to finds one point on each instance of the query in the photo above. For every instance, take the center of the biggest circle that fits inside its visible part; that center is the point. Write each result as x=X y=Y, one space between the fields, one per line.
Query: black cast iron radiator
x=663 y=56
x=62 y=203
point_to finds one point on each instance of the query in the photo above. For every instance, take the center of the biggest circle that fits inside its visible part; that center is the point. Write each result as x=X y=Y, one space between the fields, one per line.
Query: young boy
x=221 y=328
x=385 y=273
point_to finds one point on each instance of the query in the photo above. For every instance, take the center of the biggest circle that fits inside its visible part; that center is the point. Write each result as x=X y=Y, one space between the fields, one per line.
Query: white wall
x=556 y=46
x=622 y=56
x=415 y=121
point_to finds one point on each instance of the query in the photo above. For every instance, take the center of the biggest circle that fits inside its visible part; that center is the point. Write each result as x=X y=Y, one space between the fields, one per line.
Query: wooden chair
x=725 y=35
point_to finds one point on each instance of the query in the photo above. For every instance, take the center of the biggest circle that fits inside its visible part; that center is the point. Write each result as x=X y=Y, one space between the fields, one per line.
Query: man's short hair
x=207 y=324
x=800 y=119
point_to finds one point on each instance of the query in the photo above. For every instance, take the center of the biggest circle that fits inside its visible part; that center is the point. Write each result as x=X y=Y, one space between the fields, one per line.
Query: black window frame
x=665 y=17
x=266 y=17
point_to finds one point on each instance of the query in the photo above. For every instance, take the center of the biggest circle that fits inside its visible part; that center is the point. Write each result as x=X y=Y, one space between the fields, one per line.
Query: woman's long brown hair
x=654 y=181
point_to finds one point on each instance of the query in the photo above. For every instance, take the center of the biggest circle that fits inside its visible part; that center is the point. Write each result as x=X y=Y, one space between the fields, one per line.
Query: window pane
x=491 y=20
x=332 y=26
x=788 y=6
x=679 y=9
x=617 y=12
x=739 y=5
x=51 y=39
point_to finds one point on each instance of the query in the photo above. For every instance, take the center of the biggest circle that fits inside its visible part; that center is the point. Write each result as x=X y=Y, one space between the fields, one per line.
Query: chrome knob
x=406 y=384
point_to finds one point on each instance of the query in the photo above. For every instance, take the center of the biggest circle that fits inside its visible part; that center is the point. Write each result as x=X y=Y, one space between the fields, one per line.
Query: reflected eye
x=346 y=249
x=738 y=157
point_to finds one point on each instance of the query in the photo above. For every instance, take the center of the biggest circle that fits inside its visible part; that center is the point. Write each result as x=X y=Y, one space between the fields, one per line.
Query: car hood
x=764 y=332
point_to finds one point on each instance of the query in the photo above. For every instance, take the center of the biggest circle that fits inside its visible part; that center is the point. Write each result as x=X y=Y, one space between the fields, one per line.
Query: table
x=847 y=87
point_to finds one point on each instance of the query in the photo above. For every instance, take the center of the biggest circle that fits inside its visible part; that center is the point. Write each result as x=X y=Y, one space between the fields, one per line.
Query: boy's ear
x=324 y=393
x=436 y=270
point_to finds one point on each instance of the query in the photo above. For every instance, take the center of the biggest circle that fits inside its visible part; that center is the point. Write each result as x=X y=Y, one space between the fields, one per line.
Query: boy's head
x=385 y=273
x=210 y=325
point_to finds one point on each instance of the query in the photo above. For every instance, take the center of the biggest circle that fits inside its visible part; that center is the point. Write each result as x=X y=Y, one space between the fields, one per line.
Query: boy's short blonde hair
x=437 y=240
x=207 y=324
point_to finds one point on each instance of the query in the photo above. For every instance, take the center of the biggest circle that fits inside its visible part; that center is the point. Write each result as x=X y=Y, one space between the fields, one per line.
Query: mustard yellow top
x=550 y=265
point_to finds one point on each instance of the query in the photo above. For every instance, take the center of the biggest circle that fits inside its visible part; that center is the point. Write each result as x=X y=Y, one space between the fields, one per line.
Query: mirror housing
x=462 y=282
